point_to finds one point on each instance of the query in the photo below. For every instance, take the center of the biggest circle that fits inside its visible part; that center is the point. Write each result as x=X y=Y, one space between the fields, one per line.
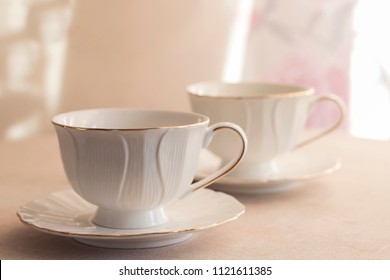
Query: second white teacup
x=131 y=163
x=273 y=117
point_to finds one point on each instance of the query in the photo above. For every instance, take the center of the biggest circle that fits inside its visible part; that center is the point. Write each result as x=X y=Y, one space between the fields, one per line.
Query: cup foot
x=129 y=219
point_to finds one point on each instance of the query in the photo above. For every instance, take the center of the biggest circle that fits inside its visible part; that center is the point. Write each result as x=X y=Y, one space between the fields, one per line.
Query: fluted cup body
x=130 y=162
x=273 y=117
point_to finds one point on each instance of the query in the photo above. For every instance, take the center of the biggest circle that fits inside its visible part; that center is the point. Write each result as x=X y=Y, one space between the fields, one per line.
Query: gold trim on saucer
x=24 y=215
x=119 y=236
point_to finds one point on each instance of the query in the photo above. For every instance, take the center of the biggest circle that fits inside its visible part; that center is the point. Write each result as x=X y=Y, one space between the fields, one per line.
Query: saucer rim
x=126 y=235
x=227 y=180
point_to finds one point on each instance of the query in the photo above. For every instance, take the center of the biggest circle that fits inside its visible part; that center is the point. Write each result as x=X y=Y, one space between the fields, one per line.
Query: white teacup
x=273 y=117
x=132 y=162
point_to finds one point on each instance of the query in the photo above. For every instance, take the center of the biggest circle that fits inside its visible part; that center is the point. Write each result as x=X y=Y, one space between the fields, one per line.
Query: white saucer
x=65 y=213
x=293 y=168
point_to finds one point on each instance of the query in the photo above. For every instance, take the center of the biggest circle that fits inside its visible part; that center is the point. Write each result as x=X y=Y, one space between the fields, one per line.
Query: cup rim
x=204 y=120
x=194 y=90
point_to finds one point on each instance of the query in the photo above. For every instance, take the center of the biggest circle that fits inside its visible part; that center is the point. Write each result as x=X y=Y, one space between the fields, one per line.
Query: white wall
x=61 y=55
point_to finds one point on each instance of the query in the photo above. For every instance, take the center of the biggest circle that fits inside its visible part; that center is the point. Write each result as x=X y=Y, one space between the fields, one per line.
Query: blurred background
x=61 y=55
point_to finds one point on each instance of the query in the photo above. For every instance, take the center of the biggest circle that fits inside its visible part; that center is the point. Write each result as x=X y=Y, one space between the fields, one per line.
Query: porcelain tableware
x=131 y=163
x=65 y=213
x=294 y=169
x=273 y=117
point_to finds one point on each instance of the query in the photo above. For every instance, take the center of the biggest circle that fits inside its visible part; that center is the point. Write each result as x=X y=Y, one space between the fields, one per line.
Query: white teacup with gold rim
x=133 y=162
x=273 y=117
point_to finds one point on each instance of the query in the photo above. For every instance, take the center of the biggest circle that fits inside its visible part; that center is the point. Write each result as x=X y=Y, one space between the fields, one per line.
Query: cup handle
x=340 y=104
x=211 y=131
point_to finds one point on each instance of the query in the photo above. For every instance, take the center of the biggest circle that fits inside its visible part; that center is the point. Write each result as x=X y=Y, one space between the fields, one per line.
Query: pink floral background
x=303 y=42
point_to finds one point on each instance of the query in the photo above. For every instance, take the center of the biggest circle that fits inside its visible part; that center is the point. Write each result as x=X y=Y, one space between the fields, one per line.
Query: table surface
x=345 y=215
